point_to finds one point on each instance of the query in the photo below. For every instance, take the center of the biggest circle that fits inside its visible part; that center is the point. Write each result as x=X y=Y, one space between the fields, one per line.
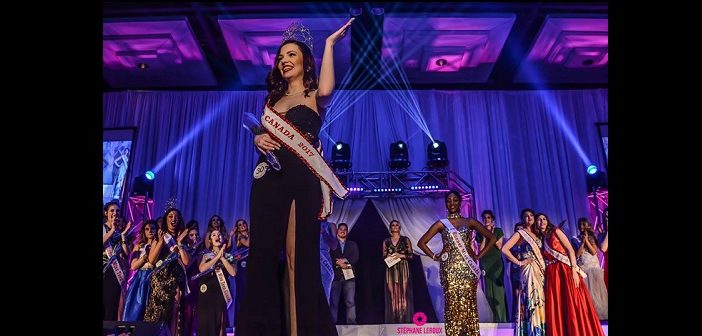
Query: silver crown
x=297 y=32
x=170 y=204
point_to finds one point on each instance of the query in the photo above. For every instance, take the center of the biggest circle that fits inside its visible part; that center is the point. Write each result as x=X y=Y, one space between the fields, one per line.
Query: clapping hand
x=161 y=234
x=220 y=253
x=126 y=229
x=182 y=236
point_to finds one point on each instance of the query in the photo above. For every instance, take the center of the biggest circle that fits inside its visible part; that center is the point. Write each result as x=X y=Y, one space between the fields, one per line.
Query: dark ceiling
x=454 y=46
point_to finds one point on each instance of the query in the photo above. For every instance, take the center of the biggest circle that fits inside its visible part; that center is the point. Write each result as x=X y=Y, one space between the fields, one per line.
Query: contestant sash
x=456 y=237
x=171 y=244
x=115 y=266
x=223 y=286
x=562 y=258
x=534 y=248
x=287 y=134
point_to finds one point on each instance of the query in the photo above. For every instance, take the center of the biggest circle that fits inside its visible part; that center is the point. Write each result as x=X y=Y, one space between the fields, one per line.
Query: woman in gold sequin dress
x=458 y=281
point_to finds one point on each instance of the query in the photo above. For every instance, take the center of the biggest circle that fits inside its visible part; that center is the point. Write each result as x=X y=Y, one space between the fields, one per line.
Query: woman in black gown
x=212 y=302
x=285 y=204
x=113 y=240
x=241 y=239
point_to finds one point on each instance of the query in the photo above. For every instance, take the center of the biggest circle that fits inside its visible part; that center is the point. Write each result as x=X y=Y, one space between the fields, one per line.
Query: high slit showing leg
x=275 y=197
x=290 y=253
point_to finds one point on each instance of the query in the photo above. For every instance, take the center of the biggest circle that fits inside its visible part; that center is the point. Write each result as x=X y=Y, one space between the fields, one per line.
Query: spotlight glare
x=341 y=156
x=592 y=169
x=437 y=156
x=150 y=175
x=399 y=156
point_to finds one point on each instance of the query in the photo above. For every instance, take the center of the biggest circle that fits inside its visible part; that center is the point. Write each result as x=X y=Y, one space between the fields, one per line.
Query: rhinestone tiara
x=297 y=32
x=170 y=204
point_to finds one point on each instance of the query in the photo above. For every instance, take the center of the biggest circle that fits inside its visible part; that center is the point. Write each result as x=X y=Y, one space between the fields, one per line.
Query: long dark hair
x=107 y=207
x=180 y=225
x=525 y=210
x=222 y=225
x=590 y=231
x=236 y=226
x=277 y=85
x=549 y=227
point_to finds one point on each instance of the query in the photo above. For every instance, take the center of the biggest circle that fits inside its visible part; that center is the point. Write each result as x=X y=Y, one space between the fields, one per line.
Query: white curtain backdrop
x=347 y=211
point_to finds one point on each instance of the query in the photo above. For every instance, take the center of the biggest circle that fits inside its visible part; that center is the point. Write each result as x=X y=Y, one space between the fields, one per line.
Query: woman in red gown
x=569 y=309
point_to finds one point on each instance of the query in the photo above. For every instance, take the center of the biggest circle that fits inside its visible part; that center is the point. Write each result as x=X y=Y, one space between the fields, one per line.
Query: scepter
x=254 y=126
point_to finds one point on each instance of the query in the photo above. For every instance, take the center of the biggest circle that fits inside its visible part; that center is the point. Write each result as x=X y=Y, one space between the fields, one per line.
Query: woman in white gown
x=586 y=247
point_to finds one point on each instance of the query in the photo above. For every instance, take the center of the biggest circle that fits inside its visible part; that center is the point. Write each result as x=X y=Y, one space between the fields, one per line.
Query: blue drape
x=518 y=149
x=507 y=144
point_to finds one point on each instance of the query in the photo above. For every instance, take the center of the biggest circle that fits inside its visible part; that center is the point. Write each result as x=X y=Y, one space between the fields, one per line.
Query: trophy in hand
x=254 y=126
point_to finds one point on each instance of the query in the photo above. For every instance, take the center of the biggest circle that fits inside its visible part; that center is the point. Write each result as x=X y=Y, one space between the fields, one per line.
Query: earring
x=309 y=68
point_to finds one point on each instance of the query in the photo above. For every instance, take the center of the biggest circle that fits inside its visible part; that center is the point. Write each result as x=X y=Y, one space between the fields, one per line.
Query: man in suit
x=345 y=256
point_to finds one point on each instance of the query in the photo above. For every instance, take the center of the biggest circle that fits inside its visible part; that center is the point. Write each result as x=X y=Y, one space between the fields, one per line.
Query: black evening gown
x=264 y=307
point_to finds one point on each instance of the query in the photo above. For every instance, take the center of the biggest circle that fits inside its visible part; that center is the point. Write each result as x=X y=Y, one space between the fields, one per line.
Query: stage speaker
x=125 y=328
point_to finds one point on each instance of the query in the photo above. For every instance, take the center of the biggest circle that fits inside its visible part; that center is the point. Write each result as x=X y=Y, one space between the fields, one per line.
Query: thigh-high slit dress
x=264 y=309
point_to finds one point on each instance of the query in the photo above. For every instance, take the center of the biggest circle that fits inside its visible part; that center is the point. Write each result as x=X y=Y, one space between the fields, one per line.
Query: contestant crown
x=297 y=32
x=170 y=204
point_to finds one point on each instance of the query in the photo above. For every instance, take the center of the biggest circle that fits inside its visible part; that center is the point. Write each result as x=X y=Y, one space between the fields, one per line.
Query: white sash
x=171 y=244
x=220 y=278
x=287 y=134
x=535 y=248
x=562 y=258
x=456 y=237
x=224 y=287
x=115 y=266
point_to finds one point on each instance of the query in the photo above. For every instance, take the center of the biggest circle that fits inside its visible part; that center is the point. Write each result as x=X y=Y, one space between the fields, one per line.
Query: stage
x=428 y=329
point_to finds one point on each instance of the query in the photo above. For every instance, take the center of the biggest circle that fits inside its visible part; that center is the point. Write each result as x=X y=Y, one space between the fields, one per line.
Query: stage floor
x=428 y=329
